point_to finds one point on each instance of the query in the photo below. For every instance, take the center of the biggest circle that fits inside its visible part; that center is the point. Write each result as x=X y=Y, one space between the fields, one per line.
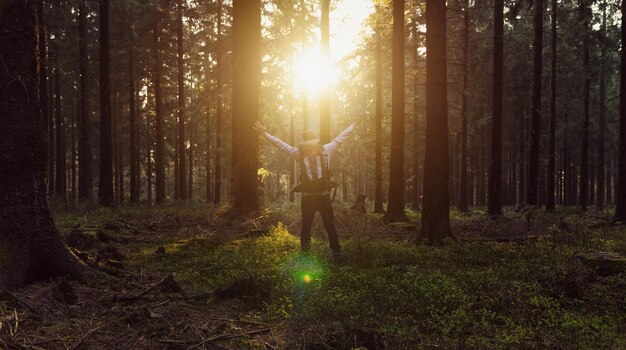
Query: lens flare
x=307 y=278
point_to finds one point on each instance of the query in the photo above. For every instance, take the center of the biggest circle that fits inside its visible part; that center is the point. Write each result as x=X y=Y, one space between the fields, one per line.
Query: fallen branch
x=229 y=336
x=14 y=297
x=84 y=337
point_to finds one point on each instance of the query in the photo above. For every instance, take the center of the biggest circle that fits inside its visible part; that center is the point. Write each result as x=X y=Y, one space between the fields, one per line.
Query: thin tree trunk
x=436 y=202
x=584 y=157
x=550 y=188
x=60 y=164
x=73 y=152
x=105 y=187
x=535 y=131
x=148 y=161
x=115 y=146
x=395 y=206
x=620 y=194
x=602 y=119
x=416 y=164
x=292 y=141
x=463 y=205
x=182 y=162
x=325 y=93
x=85 y=180
x=134 y=150
x=378 y=171
x=43 y=89
x=190 y=172
x=217 y=193
x=495 y=171
x=160 y=142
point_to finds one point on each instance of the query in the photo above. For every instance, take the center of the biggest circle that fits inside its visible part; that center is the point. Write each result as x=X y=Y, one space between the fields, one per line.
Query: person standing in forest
x=315 y=182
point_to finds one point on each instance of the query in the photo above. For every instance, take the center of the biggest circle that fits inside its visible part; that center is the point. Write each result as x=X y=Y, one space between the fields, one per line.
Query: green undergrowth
x=470 y=295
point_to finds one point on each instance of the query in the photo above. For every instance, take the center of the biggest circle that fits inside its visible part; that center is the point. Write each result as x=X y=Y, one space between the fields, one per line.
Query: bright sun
x=314 y=72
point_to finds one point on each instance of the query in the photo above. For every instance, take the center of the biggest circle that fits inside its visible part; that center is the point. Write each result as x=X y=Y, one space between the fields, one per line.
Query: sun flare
x=314 y=73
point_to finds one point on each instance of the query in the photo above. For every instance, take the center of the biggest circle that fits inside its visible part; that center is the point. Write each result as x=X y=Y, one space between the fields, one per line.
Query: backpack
x=314 y=170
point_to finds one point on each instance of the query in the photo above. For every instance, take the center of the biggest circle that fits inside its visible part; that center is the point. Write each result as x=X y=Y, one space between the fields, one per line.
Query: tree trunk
x=584 y=156
x=209 y=148
x=105 y=186
x=182 y=162
x=217 y=193
x=73 y=154
x=246 y=83
x=32 y=247
x=149 y=145
x=463 y=205
x=535 y=131
x=602 y=119
x=567 y=183
x=325 y=93
x=378 y=171
x=292 y=141
x=44 y=86
x=395 y=206
x=550 y=185
x=190 y=172
x=134 y=150
x=85 y=180
x=436 y=202
x=60 y=163
x=620 y=194
x=159 y=159
x=495 y=171
x=521 y=191
x=416 y=164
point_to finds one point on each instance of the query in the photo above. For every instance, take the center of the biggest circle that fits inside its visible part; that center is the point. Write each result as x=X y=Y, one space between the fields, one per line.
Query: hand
x=259 y=127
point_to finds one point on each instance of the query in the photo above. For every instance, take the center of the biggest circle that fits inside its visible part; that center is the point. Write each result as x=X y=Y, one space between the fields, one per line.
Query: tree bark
x=463 y=205
x=182 y=162
x=159 y=159
x=378 y=171
x=217 y=193
x=535 y=131
x=134 y=149
x=44 y=85
x=550 y=185
x=32 y=248
x=495 y=170
x=395 y=205
x=415 y=205
x=602 y=119
x=436 y=201
x=246 y=83
x=85 y=178
x=105 y=187
x=584 y=156
x=620 y=195
x=190 y=171
x=325 y=93
x=60 y=188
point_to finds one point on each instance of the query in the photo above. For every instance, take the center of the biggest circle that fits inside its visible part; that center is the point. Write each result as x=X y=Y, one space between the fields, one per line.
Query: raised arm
x=278 y=143
x=332 y=146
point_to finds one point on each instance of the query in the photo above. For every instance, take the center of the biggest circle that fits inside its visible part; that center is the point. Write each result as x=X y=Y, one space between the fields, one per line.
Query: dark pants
x=323 y=205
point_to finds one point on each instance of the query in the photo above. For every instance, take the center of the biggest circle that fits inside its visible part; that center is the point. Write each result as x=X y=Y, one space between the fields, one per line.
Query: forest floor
x=178 y=277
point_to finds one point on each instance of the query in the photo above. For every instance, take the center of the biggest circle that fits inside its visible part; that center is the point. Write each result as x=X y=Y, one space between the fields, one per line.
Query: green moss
x=470 y=295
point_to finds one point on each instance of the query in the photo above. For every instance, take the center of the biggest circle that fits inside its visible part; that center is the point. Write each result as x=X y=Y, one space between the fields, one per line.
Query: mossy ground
x=390 y=292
